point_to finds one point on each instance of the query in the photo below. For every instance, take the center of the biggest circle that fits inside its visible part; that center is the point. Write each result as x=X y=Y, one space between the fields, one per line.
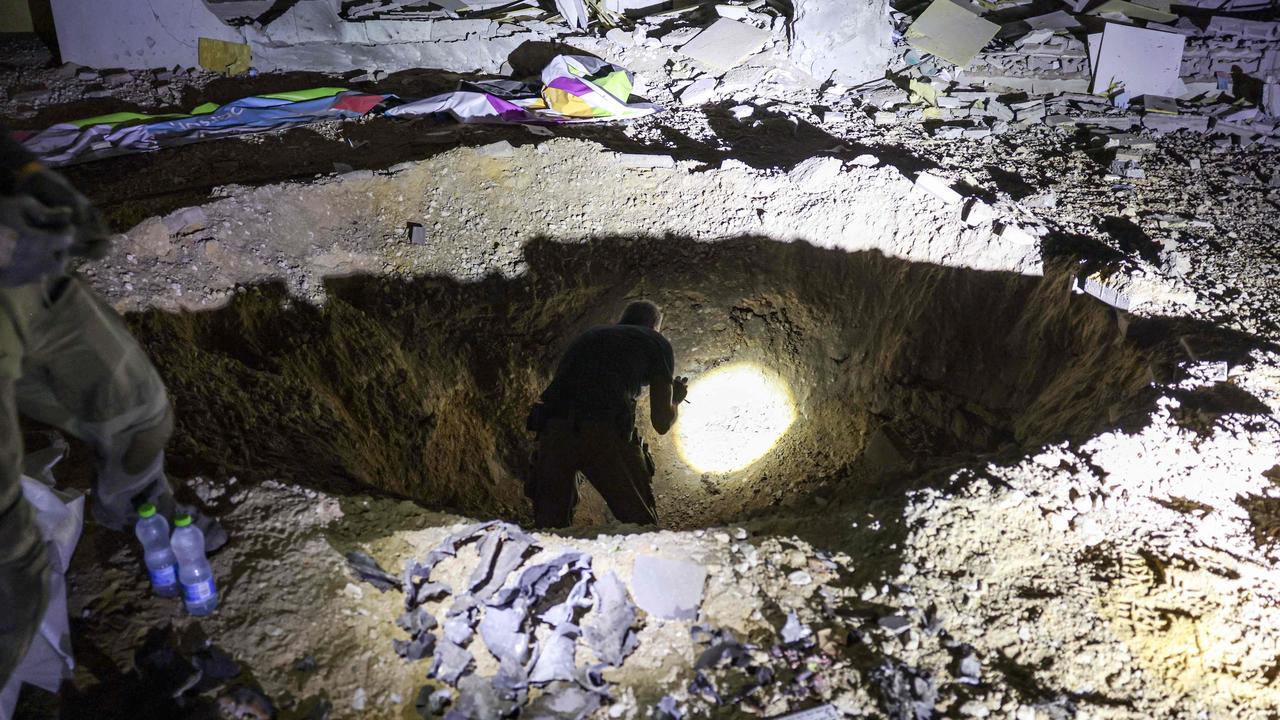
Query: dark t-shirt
x=604 y=369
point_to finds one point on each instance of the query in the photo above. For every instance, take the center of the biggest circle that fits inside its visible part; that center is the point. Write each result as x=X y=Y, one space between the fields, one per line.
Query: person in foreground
x=586 y=419
x=66 y=360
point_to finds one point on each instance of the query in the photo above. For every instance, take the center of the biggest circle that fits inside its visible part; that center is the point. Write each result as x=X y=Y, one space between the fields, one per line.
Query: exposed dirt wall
x=420 y=387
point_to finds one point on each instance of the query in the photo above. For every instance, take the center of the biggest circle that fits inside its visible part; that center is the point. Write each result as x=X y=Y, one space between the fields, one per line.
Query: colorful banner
x=574 y=89
x=123 y=133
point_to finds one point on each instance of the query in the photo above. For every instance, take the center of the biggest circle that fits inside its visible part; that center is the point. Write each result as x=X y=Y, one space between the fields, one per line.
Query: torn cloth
x=575 y=89
x=48 y=659
x=124 y=133
x=364 y=567
x=611 y=632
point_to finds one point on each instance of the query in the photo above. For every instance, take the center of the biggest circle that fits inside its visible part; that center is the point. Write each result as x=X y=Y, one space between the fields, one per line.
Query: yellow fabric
x=567 y=103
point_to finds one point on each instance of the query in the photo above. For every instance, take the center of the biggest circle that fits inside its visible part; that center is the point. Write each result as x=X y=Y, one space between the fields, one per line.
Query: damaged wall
x=308 y=36
x=135 y=35
x=849 y=41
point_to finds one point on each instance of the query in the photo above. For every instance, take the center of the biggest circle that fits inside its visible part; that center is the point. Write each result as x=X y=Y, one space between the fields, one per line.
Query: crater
x=420 y=387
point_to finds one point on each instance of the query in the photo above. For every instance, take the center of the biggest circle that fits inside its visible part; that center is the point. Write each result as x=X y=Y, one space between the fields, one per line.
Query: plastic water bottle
x=162 y=566
x=199 y=591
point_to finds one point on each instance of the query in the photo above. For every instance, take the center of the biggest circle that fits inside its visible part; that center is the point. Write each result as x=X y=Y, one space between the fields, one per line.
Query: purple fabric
x=570 y=85
x=508 y=110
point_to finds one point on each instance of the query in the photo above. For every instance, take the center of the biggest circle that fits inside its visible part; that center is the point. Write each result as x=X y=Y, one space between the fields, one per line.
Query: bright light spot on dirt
x=735 y=415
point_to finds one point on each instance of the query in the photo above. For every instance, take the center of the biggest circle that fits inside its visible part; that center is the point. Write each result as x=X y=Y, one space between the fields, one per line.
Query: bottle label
x=163 y=577
x=199 y=592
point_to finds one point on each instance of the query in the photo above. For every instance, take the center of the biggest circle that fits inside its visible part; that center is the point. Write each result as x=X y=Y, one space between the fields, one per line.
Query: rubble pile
x=1119 y=67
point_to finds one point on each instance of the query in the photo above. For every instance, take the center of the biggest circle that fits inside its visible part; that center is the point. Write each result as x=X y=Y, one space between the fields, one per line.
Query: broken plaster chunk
x=642 y=161
x=950 y=31
x=669 y=589
x=850 y=42
x=977 y=212
x=698 y=92
x=500 y=149
x=1105 y=293
x=1143 y=61
x=815 y=175
x=939 y=188
x=186 y=221
x=1018 y=235
x=726 y=44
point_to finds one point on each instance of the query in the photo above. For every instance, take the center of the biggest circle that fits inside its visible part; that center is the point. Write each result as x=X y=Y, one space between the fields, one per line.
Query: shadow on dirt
x=419 y=386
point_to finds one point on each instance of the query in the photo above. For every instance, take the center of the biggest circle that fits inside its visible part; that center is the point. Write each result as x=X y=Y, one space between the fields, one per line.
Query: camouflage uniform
x=67 y=360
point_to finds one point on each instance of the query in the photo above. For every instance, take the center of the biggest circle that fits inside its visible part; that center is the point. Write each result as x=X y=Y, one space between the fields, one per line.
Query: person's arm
x=665 y=397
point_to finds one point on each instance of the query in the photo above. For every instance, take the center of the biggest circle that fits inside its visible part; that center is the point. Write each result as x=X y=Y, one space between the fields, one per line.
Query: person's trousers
x=67 y=360
x=614 y=464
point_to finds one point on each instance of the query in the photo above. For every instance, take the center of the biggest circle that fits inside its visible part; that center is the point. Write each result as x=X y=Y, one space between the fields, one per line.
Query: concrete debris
x=951 y=31
x=726 y=44
x=849 y=41
x=186 y=221
x=669 y=589
x=699 y=92
x=641 y=161
x=1103 y=291
x=500 y=149
x=816 y=174
x=1138 y=61
x=938 y=187
x=905 y=692
x=574 y=13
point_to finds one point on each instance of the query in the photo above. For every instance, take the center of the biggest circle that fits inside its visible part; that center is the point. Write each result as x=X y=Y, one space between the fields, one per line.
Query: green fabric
x=121 y=118
x=616 y=84
x=300 y=95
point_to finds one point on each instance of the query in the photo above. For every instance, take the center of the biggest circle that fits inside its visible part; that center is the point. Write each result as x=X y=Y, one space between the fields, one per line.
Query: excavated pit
x=420 y=386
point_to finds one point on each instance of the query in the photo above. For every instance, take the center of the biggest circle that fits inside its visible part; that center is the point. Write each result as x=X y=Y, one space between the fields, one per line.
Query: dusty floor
x=988 y=467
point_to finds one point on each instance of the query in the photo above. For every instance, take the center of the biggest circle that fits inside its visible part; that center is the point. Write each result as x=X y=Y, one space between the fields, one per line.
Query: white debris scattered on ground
x=1132 y=574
